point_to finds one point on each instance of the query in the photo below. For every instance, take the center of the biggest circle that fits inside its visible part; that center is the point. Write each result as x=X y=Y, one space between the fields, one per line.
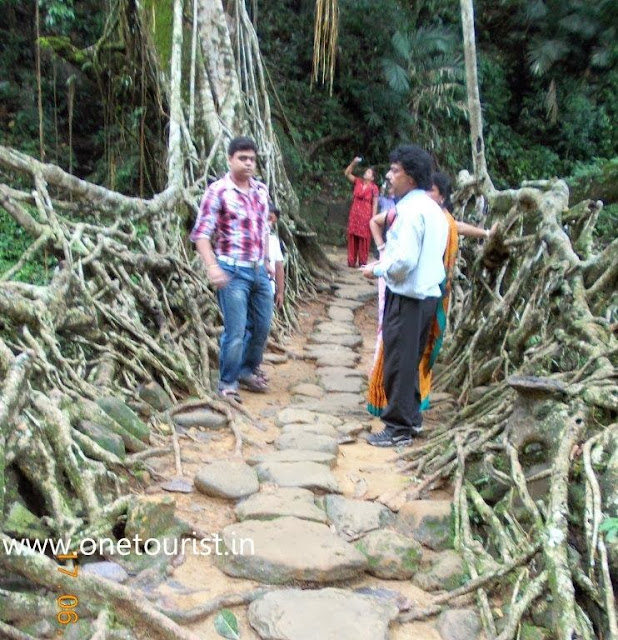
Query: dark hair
x=374 y=172
x=415 y=162
x=443 y=182
x=242 y=143
x=273 y=209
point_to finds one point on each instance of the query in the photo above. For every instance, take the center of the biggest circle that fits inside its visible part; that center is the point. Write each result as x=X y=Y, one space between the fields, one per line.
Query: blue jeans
x=246 y=301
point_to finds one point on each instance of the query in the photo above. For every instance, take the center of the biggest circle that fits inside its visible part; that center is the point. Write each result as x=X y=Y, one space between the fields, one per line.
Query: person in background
x=231 y=236
x=276 y=257
x=364 y=206
x=379 y=226
x=440 y=192
x=277 y=281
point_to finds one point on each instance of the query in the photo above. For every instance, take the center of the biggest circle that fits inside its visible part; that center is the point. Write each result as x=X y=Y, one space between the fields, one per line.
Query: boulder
x=109 y=570
x=125 y=417
x=105 y=438
x=153 y=518
x=227 y=479
x=155 y=395
x=459 y=624
x=391 y=556
x=427 y=521
x=354 y=518
x=446 y=571
x=200 y=418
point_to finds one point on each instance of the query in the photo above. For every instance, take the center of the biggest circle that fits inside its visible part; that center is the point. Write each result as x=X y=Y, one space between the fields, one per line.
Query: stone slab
x=286 y=550
x=340 y=314
x=305 y=440
x=346 y=303
x=307 y=389
x=355 y=518
x=294 y=455
x=281 y=502
x=350 y=340
x=306 y=475
x=326 y=614
x=227 y=479
x=319 y=429
x=341 y=384
x=200 y=418
x=332 y=355
x=336 y=328
x=294 y=415
x=337 y=403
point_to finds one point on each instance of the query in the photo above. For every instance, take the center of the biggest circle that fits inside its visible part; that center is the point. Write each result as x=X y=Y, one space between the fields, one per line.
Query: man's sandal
x=254 y=383
x=230 y=394
x=260 y=373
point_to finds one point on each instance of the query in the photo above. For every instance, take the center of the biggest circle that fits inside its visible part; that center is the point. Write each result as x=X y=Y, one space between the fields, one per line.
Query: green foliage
x=426 y=70
x=58 y=15
x=606 y=228
x=609 y=527
x=13 y=242
x=226 y=624
x=159 y=15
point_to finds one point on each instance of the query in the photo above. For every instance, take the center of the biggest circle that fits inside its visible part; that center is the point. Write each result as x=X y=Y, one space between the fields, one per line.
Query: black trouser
x=405 y=330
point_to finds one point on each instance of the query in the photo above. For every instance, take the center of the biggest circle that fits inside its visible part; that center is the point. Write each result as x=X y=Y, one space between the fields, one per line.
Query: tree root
x=94 y=590
x=11 y=633
x=203 y=611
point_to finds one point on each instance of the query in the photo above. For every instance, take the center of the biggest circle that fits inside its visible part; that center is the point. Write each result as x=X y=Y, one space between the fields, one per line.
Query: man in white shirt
x=413 y=268
x=276 y=256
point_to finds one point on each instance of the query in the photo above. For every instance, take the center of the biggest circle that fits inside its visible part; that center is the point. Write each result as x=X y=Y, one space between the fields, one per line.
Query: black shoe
x=389 y=438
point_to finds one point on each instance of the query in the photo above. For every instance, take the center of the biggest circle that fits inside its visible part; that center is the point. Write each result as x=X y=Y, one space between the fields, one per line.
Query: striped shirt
x=238 y=220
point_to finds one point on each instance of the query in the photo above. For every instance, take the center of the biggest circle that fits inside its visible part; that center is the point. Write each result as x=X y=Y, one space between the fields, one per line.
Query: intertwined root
x=532 y=344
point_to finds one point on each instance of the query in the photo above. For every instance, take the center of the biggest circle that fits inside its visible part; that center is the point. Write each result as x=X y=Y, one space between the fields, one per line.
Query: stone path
x=341 y=564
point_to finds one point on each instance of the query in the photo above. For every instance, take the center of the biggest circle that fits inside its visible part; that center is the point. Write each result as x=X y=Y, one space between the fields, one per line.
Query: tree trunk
x=174 y=156
x=479 y=163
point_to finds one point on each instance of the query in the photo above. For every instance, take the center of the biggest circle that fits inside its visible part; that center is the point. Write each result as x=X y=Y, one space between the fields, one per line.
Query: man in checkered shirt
x=231 y=236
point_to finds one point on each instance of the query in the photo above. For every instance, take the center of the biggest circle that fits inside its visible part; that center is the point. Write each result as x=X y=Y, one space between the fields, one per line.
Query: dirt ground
x=362 y=471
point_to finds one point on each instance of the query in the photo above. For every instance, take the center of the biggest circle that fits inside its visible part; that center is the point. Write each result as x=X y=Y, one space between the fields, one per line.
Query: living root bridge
x=127 y=305
x=532 y=358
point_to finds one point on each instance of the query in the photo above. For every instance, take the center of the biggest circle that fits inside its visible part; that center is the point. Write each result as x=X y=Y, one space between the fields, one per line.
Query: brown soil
x=362 y=471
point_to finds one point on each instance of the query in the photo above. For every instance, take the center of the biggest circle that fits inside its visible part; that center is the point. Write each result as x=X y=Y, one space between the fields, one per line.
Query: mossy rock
x=446 y=572
x=156 y=561
x=151 y=518
x=532 y=632
x=111 y=442
x=390 y=555
x=490 y=489
x=155 y=395
x=77 y=630
x=20 y=522
x=125 y=417
x=427 y=521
